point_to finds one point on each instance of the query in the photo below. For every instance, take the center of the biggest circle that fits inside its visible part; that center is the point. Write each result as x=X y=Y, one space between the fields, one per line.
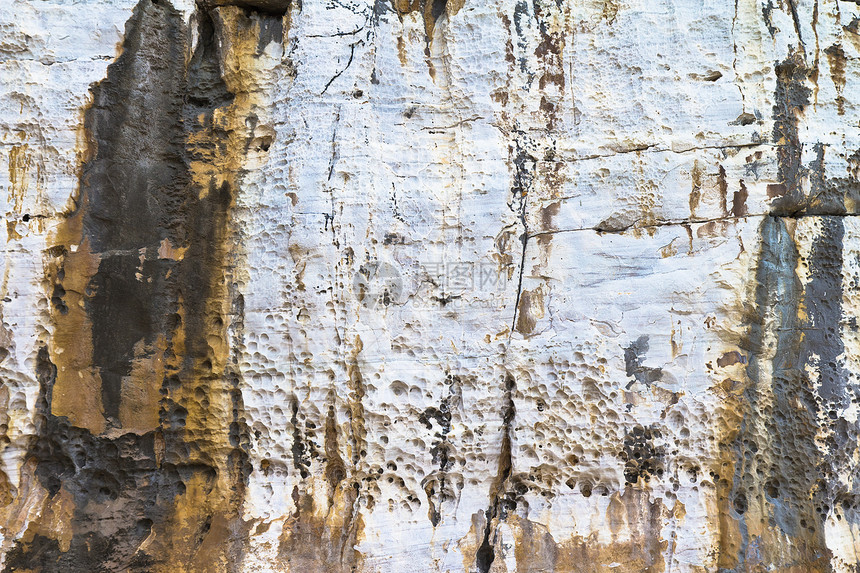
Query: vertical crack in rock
x=524 y=168
x=141 y=437
x=485 y=555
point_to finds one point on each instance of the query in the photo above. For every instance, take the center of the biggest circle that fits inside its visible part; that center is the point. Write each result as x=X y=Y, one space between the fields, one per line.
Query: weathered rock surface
x=429 y=285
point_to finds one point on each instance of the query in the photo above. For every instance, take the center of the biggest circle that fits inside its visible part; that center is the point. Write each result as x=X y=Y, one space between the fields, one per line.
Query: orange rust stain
x=12 y=230
x=77 y=392
x=401 y=50
x=20 y=162
x=140 y=393
x=529 y=311
x=696 y=191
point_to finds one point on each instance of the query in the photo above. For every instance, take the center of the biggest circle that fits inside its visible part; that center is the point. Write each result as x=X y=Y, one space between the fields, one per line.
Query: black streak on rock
x=133 y=190
x=642 y=459
x=116 y=485
x=486 y=555
x=792 y=97
x=436 y=484
x=301 y=460
x=137 y=195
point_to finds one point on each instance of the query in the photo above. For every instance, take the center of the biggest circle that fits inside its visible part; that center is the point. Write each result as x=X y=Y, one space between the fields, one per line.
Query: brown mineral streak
x=77 y=391
x=215 y=167
x=325 y=537
x=200 y=529
x=20 y=161
x=430 y=11
x=632 y=520
x=356 y=405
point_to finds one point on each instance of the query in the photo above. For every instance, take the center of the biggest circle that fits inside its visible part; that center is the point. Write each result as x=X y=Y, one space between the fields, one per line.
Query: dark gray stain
x=117 y=486
x=133 y=191
x=791 y=98
x=767 y=13
x=830 y=195
x=436 y=484
x=634 y=356
x=778 y=462
x=822 y=349
x=522 y=20
x=136 y=191
x=271 y=31
x=822 y=340
x=827 y=195
x=782 y=466
x=642 y=459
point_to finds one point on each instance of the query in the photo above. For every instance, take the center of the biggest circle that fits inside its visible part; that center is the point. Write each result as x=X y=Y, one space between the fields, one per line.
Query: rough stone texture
x=430 y=285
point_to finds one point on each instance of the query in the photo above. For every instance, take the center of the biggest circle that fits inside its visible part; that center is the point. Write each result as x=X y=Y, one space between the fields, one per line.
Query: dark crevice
x=486 y=554
x=301 y=459
x=276 y=8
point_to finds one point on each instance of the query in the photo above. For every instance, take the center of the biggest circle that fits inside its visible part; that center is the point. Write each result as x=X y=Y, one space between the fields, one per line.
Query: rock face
x=430 y=285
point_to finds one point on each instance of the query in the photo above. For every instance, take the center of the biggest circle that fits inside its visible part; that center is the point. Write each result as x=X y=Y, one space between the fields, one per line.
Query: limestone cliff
x=430 y=285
